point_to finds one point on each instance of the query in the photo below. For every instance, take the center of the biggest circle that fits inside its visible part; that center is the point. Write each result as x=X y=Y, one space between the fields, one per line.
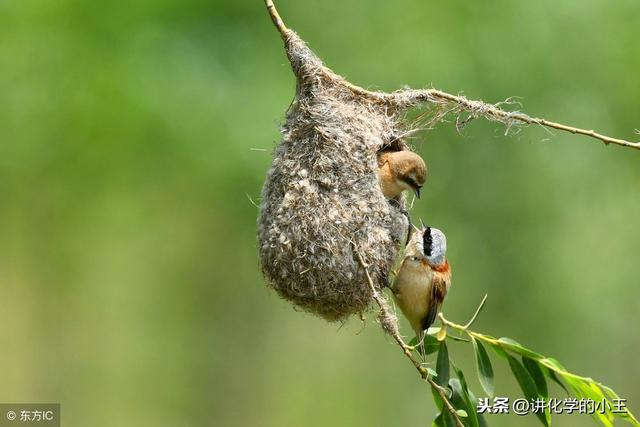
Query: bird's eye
x=412 y=183
x=414 y=258
x=427 y=241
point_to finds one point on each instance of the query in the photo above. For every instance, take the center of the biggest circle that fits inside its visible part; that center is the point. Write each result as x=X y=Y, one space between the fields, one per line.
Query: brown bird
x=399 y=171
x=423 y=280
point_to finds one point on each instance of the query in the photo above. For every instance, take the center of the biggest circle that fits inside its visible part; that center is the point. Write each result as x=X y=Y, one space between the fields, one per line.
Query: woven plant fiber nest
x=321 y=200
x=322 y=209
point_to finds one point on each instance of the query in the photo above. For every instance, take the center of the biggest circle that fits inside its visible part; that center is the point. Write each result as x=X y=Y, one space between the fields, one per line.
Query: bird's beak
x=417 y=191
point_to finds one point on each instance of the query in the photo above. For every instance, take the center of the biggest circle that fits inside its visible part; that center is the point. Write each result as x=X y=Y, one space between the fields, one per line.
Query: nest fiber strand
x=321 y=199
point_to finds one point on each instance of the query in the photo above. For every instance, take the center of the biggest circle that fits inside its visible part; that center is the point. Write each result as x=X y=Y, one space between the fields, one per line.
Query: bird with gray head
x=423 y=280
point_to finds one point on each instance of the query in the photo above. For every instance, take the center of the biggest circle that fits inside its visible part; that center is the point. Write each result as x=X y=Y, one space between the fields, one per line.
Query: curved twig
x=475 y=107
x=405 y=348
x=494 y=113
x=275 y=18
x=478 y=310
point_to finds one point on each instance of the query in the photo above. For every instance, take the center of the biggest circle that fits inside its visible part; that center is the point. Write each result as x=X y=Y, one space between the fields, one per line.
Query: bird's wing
x=438 y=291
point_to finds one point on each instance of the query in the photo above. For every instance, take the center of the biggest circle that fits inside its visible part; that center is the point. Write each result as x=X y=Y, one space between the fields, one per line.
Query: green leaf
x=598 y=396
x=448 y=419
x=551 y=374
x=439 y=421
x=442 y=365
x=444 y=419
x=535 y=370
x=458 y=399
x=550 y=364
x=537 y=374
x=499 y=350
x=474 y=401
x=516 y=347
x=590 y=390
x=470 y=404
x=461 y=413
x=437 y=399
x=527 y=384
x=553 y=362
x=430 y=344
x=455 y=338
x=612 y=395
x=485 y=370
x=627 y=415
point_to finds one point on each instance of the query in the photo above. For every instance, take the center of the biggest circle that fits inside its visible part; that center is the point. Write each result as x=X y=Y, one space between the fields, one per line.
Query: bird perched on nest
x=423 y=280
x=399 y=171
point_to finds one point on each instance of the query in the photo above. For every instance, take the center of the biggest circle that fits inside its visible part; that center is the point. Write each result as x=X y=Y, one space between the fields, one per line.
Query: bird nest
x=321 y=200
x=323 y=217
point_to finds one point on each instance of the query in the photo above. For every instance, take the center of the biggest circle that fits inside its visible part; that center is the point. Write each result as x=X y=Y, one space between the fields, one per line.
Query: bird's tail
x=430 y=317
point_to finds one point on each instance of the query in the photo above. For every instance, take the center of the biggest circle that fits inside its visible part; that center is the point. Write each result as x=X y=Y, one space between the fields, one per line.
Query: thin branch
x=275 y=18
x=476 y=108
x=405 y=348
x=493 y=112
x=478 y=310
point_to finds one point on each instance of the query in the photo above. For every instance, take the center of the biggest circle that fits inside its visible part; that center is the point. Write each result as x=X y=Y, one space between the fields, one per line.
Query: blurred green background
x=134 y=139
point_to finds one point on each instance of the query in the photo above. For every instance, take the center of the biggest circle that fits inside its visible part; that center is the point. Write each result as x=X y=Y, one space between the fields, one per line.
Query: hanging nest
x=321 y=200
x=321 y=203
